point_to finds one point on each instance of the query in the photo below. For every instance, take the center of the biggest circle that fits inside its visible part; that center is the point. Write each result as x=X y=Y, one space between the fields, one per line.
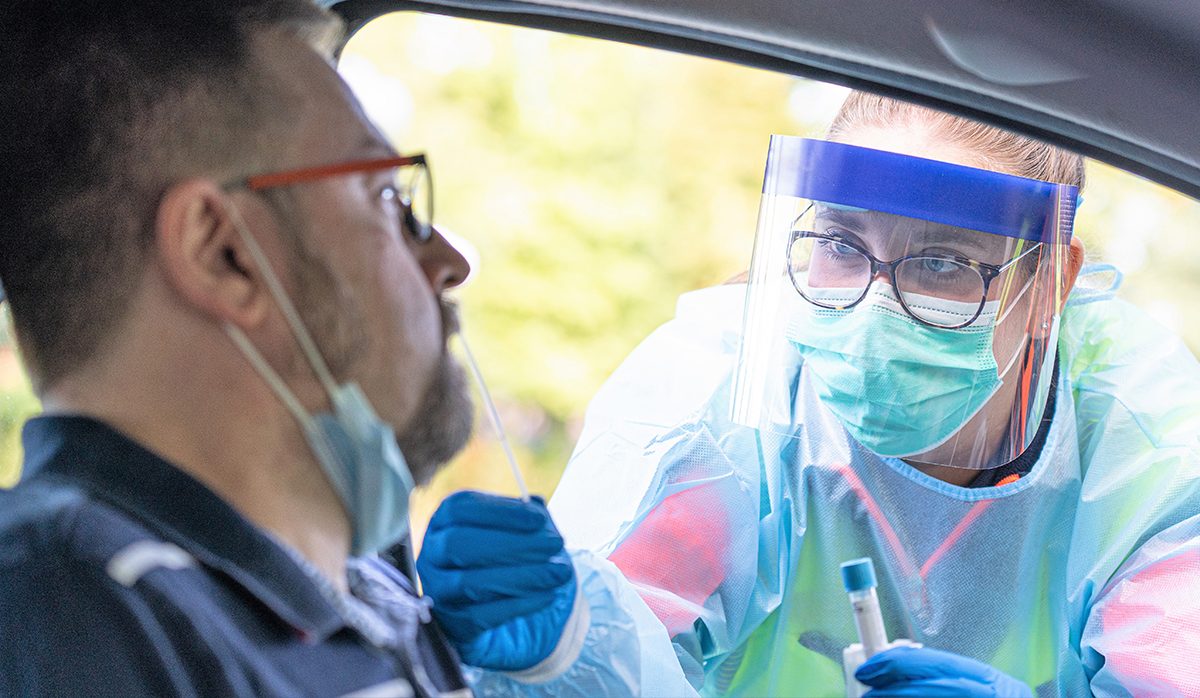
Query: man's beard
x=442 y=423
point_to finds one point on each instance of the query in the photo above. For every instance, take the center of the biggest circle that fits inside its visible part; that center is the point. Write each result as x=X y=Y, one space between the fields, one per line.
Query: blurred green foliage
x=599 y=181
x=15 y=407
x=17 y=403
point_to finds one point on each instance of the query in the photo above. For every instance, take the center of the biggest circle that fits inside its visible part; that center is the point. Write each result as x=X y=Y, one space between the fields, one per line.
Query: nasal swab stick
x=494 y=417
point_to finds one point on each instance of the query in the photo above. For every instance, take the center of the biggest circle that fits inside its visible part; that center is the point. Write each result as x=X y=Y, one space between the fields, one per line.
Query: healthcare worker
x=911 y=374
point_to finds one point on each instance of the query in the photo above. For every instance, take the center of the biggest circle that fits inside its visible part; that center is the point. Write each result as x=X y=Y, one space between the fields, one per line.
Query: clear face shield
x=916 y=302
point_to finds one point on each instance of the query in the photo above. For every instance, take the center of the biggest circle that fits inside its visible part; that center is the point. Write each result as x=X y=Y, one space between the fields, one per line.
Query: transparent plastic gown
x=902 y=315
x=1079 y=578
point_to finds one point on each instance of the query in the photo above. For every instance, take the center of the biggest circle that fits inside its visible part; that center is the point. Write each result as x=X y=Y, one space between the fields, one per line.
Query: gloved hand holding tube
x=912 y=672
x=858 y=578
x=904 y=668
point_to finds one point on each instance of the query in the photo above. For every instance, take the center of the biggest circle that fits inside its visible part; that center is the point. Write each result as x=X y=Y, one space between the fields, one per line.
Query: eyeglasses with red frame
x=413 y=186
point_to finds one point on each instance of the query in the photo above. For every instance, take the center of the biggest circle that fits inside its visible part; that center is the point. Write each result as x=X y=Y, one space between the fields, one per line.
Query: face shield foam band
x=931 y=190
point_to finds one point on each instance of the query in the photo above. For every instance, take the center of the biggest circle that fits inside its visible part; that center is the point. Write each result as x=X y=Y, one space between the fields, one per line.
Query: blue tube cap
x=858 y=575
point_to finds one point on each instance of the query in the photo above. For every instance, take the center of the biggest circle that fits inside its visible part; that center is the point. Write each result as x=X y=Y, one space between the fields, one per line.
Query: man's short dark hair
x=106 y=104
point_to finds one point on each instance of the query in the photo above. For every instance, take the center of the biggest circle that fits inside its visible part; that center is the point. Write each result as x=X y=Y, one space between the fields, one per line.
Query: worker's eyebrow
x=983 y=247
x=968 y=243
x=849 y=219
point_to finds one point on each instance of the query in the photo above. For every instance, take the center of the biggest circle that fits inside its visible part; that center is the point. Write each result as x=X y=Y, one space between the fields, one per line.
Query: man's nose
x=443 y=264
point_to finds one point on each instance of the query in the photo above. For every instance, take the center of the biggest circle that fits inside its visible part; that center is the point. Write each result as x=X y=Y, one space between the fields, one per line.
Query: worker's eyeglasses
x=413 y=187
x=833 y=272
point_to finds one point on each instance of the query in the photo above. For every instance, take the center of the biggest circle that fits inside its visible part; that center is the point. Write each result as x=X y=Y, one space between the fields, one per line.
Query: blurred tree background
x=595 y=182
x=16 y=404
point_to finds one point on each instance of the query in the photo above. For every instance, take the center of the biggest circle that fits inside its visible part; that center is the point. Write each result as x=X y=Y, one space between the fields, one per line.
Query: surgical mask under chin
x=899 y=387
x=356 y=449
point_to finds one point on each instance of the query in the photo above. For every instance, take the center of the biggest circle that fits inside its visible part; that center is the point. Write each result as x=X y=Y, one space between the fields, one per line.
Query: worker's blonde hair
x=999 y=150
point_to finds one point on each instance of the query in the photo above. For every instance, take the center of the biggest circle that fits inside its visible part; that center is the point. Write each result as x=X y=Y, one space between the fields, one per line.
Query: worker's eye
x=838 y=247
x=838 y=242
x=939 y=265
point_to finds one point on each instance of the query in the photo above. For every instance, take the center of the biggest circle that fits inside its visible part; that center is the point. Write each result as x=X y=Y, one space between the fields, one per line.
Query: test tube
x=858 y=577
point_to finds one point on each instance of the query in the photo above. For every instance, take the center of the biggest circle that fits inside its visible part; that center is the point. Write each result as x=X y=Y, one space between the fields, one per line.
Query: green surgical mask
x=898 y=386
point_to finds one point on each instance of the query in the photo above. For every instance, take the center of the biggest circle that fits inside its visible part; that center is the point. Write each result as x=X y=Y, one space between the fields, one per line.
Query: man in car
x=228 y=294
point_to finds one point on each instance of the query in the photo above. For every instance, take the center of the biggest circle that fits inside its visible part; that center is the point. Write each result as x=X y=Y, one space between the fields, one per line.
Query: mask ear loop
x=1010 y=304
x=286 y=396
x=1006 y=311
x=260 y=364
x=316 y=439
x=1020 y=350
x=1083 y=294
x=307 y=345
x=1025 y=348
x=1008 y=308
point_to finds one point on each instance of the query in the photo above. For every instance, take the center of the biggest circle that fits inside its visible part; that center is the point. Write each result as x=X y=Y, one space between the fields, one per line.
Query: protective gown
x=1082 y=577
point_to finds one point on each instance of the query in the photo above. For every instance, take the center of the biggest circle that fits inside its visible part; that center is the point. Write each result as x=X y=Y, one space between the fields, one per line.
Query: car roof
x=1113 y=79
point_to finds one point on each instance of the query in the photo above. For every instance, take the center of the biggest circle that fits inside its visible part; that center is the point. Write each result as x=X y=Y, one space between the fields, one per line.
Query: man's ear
x=1074 y=264
x=203 y=256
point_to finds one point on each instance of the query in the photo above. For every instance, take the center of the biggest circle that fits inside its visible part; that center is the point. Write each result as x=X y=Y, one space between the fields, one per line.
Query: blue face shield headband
x=915 y=301
x=921 y=189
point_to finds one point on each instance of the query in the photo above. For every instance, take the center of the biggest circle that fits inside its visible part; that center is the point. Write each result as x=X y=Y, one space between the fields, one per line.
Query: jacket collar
x=117 y=470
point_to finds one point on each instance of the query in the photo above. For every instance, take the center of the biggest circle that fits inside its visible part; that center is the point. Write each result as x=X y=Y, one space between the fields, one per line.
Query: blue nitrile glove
x=922 y=672
x=502 y=585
